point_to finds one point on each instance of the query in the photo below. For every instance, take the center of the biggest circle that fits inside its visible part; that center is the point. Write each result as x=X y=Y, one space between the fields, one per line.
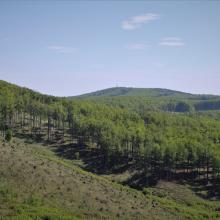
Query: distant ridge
x=142 y=92
x=151 y=93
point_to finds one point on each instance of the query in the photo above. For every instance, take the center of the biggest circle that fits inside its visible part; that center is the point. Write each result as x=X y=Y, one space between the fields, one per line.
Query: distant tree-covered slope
x=143 y=99
x=18 y=91
x=144 y=92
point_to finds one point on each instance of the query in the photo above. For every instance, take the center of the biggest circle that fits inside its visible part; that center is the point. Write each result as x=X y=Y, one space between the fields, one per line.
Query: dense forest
x=163 y=138
x=141 y=100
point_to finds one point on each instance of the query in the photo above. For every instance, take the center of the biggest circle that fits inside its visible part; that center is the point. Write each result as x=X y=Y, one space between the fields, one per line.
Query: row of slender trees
x=158 y=143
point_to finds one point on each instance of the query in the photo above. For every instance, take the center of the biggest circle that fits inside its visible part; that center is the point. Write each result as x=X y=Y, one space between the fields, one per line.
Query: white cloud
x=62 y=49
x=172 y=42
x=136 y=46
x=137 y=21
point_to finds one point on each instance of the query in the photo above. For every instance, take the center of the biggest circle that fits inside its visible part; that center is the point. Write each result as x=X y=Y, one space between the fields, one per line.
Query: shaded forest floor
x=127 y=172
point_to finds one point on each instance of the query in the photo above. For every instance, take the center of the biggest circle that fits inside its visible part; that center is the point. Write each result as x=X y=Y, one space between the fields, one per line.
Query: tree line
x=161 y=144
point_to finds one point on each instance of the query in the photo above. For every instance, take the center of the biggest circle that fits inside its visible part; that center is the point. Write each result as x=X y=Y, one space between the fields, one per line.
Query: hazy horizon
x=71 y=48
x=108 y=88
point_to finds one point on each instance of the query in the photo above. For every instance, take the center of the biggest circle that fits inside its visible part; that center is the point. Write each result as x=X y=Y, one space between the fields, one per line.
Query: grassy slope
x=35 y=184
x=183 y=200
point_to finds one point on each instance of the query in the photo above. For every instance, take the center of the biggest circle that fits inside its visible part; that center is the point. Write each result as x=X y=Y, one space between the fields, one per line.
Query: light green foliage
x=163 y=140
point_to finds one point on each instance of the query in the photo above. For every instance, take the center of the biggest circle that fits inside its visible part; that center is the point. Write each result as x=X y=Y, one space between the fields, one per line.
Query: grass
x=40 y=213
x=37 y=184
x=182 y=202
x=33 y=170
x=32 y=207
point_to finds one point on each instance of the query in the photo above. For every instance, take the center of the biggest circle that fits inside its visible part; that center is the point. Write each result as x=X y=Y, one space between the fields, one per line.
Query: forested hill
x=120 y=134
x=145 y=92
x=140 y=92
x=143 y=99
x=134 y=99
x=154 y=145
x=6 y=87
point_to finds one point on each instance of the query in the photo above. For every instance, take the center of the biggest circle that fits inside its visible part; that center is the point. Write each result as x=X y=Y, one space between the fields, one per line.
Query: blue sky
x=73 y=47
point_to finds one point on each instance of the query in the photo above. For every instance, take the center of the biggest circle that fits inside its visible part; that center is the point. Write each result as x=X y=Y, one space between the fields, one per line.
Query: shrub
x=8 y=135
x=46 y=217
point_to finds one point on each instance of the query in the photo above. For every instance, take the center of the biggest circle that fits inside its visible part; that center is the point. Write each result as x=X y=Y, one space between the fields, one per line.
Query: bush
x=46 y=217
x=8 y=135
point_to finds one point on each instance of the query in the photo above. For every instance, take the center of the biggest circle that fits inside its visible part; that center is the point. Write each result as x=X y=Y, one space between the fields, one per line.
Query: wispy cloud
x=137 y=21
x=62 y=49
x=172 y=42
x=136 y=46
